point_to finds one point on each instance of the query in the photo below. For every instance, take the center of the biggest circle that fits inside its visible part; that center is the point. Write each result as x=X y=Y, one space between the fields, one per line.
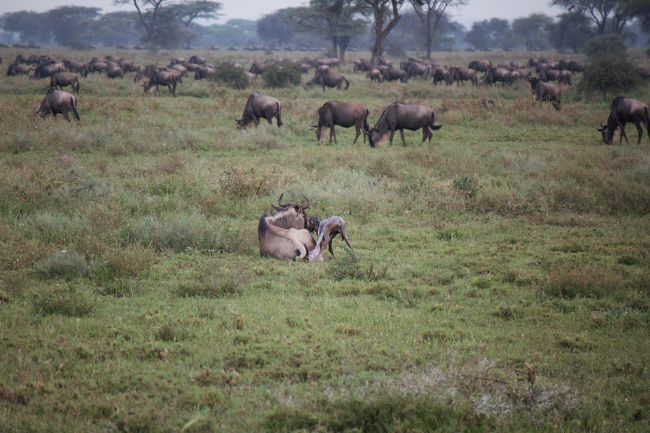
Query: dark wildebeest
x=260 y=106
x=75 y=66
x=204 y=72
x=327 y=77
x=392 y=74
x=374 y=75
x=344 y=114
x=58 y=102
x=497 y=75
x=286 y=235
x=441 y=74
x=399 y=116
x=546 y=92
x=362 y=65
x=458 y=75
x=61 y=79
x=257 y=68
x=480 y=65
x=48 y=69
x=625 y=110
x=114 y=71
x=197 y=60
x=414 y=67
x=18 y=69
x=164 y=77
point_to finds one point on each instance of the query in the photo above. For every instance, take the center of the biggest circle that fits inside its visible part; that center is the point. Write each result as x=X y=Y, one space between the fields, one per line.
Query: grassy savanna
x=500 y=279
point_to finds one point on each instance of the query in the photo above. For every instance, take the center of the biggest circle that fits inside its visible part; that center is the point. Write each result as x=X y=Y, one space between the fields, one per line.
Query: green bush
x=231 y=76
x=65 y=265
x=609 y=71
x=282 y=75
x=609 y=45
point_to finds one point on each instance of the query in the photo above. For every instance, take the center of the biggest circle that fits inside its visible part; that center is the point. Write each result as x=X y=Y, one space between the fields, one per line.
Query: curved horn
x=305 y=206
x=280 y=201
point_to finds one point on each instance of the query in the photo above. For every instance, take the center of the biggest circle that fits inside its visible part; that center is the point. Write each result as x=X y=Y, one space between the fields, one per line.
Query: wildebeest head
x=291 y=215
x=608 y=130
x=44 y=109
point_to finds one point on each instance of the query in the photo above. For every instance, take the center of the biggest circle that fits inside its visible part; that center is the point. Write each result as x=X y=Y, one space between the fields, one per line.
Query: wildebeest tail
x=279 y=107
x=347 y=83
x=433 y=122
x=76 y=80
x=366 y=127
x=74 y=108
x=647 y=119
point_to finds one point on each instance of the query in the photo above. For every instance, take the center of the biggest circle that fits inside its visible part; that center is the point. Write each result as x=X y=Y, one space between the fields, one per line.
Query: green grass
x=499 y=281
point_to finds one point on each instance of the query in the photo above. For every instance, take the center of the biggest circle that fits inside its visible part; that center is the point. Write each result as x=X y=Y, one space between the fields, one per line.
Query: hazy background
x=475 y=10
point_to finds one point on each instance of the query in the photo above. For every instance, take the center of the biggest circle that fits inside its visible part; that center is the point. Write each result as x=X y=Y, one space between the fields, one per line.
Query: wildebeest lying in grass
x=58 y=102
x=286 y=235
x=260 y=106
x=344 y=114
x=625 y=110
x=546 y=92
x=62 y=79
x=399 y=116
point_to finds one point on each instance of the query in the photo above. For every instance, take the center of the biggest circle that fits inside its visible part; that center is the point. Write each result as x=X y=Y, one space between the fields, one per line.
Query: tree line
x=380 y=26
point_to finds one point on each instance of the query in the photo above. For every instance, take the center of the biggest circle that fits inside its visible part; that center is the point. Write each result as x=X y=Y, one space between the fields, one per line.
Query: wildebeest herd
x=287 y=234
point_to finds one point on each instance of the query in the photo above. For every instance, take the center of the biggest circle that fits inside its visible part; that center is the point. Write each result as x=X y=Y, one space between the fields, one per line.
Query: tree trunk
x=335 y=45
x=344 y=42
x=380 y=32
x=429 y=38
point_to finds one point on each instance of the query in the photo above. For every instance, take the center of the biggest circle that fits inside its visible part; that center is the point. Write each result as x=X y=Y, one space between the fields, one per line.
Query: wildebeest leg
x=639 y=130
x=426 y=134
x=269 y=120
x=392 y=134
x=623 y=134
x=358 y=131
x=401 y=134
x=65 y=114
x=333 y=134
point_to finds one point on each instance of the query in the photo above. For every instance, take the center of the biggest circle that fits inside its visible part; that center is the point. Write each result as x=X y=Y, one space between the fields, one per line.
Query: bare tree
x=430 y=13
x=149 y=12
x=384 y=17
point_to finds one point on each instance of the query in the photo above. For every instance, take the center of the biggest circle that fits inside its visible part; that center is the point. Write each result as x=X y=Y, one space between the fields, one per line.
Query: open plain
x=500 y=279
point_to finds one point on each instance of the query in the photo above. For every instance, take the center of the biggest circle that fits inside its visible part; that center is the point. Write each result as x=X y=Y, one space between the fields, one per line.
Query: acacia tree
x=72 y=26
x=190 y=11
x=31 y=26
x=333 y=19
x=533 y=31
x=606 y=15
x=149 y=13
x=430 y=13
x=384 y=16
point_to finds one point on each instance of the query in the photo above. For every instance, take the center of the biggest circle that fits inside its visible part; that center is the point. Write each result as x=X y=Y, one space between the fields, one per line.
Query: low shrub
x=580 y=282
x=282 y=75
x=63 y=264
x=64 y=301
x=231 y=76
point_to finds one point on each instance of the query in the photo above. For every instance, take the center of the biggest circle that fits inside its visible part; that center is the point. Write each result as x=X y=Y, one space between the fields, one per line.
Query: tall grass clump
x=176 y=232
x=580 y=282
x=64 y=301
x=68 y=265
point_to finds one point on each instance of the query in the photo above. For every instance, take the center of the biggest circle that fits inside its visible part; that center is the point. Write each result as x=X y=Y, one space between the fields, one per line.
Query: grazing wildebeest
x=113 y=71
x=46 y=70
x=204 y=72
x=625 y=110
x=75 y=66
x=18 y=69
x=399 y=116
x=61 y=79
x=327 y=77
x=441 y=74
x=498 y=75
x=257 y=68
x=344 y=114
x=414 y=67
x=362 y=65
x=58 y=102
x=546 y=92
x=374 y=75
x=392 y=74
x=327 y=230
x=260 y=106
x=458 y=75
x=164 y=77
x=286 y=235
x=197 y=60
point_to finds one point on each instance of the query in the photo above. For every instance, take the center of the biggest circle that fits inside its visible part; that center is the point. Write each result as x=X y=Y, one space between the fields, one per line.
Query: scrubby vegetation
x=499 y=280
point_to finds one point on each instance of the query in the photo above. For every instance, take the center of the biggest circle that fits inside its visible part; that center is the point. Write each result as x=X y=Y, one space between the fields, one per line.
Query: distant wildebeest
x=399 y=116
x=441 y=75
x=327 y=77
x=416 y=68
x=58 y=102
x=458 y=75
x=498 y=75
x=625 y=110
x=113 y=71
x=18 y=69
x=286 y=235
x=163 y=77
x=374 y=75
x=204 y=72
x=362 y=65
x=332 y=62
x=546 y=92
x=62 y=79
x=77 y=67
x=392 y=74
x=480 y=65
x=344 y=114
x=198 y=60
x=257 y=68
x=258 y=107
x=46 y=70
